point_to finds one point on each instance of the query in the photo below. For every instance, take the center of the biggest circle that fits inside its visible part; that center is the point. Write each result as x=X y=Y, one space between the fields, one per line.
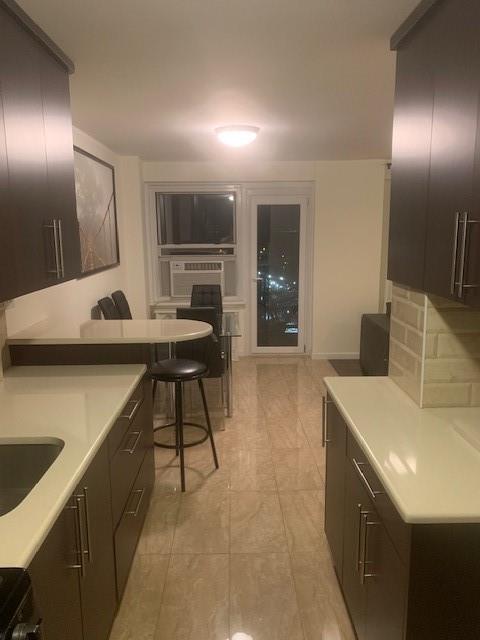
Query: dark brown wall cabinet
x=39 y=240
x=80 y=571
x=399 y=581
x=435 y=206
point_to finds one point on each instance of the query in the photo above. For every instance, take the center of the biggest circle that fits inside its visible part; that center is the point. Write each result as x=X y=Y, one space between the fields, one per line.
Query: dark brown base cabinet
x=79 y=573
x=400 y=581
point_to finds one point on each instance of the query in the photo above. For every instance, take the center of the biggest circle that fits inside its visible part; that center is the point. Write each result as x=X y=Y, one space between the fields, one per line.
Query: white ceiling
x=155 y=77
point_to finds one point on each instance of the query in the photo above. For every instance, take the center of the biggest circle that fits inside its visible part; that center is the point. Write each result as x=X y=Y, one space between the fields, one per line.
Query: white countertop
x=113 y=332
x=427 y=459
x=75 y=404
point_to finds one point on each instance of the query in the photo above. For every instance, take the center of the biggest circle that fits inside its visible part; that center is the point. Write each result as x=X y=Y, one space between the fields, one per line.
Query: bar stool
x=178 y=371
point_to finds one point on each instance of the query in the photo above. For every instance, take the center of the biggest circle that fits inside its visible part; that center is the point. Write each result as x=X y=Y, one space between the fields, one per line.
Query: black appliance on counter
x=18 y=618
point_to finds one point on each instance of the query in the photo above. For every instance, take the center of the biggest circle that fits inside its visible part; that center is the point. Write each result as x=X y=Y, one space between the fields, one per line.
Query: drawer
x=126 y=462
x=131 y=522
x=124 y=421
x=398 y=530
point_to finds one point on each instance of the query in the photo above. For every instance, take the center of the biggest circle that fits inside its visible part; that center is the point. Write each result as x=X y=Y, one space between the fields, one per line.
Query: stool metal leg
x=179 y=429
x=209 y=426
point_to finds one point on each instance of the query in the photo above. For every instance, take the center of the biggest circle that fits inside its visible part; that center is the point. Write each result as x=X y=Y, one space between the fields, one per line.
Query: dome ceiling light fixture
x=237 y=135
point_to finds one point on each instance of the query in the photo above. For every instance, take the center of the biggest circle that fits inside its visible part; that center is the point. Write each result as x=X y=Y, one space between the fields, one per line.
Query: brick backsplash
x=435 y=349
x=407 y=338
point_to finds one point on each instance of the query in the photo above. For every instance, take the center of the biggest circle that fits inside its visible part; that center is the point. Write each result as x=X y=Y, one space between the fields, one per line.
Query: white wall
x=348 y=235
x=348 y=250
x=71 y=301
x=132 y=247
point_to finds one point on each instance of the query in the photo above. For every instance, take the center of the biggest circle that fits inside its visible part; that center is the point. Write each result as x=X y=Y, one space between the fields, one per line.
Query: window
x=195 y=218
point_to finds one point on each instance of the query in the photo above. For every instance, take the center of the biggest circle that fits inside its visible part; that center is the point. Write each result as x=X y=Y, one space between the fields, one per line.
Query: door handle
x=460 y=284
x=325 y=403
x=257 y=279
x=87 y=524
x=358 y=467
x=454 y=254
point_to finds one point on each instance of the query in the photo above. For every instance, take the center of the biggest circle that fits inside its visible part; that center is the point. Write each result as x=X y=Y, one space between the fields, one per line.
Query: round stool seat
x=177 y=370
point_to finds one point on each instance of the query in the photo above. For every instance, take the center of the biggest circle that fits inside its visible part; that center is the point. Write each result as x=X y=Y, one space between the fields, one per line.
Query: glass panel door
x=277 y=318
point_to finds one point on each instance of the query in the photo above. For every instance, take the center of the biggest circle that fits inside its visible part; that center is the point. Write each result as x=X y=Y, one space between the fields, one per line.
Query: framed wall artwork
x=96 y=212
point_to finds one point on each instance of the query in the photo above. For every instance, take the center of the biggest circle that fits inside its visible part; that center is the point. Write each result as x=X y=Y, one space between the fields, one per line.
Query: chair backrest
x=108 y=308
x=206 y=350
x=203 y=314
x=207 y=295
x=122 y=305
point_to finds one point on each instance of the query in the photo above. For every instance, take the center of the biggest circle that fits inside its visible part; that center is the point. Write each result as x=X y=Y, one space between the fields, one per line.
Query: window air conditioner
x=185 y=273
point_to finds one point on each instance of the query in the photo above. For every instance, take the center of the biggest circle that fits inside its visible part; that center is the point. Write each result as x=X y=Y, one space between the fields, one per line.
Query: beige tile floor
x=242 y=554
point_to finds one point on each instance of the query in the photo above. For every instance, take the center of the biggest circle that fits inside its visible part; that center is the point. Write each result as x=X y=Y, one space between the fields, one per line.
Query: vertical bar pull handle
x=325 y=403
x=463 y=251
x=454 y=254
x=87 y=525
x=61 y=262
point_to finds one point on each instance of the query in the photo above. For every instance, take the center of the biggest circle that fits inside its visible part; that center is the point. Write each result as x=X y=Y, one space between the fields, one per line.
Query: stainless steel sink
x=22 y=464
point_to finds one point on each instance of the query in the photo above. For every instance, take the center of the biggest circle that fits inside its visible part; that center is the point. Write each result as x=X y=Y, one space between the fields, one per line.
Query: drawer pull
x=325 y=403
x=138 y=435
x=363 y=538
x=87 y=524
x=134 y=512
x=358 y=466
x=79 y=551
x=131 y=415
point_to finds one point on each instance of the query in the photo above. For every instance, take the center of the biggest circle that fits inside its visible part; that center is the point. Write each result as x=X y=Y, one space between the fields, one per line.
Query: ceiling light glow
x=237 y=135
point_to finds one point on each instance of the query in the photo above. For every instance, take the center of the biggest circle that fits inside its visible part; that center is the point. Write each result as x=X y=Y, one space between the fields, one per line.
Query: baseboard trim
x=335 y=356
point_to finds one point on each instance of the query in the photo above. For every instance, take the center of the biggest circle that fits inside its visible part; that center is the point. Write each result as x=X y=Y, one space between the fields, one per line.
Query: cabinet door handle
x=358 y=467
x=364 y=554
x=463 y=255
x=454 y=254
x=87 y=524
x=325 y=403
x=130 y=416
x=134 y=512
x=61 y=262
x=137 y=435
x=57 y=271
x=80 y=551
x=78 y=535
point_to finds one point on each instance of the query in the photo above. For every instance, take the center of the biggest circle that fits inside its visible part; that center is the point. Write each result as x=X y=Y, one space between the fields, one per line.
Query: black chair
x=207 y=295
x=122 y=305
x=178 y=371
x=205 y=350
x=108 y=308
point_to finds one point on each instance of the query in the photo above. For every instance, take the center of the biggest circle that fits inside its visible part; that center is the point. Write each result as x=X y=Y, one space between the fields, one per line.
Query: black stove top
x=14 y=586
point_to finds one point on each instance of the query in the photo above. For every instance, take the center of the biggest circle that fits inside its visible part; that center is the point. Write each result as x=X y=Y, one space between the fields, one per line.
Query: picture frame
x=96 y=213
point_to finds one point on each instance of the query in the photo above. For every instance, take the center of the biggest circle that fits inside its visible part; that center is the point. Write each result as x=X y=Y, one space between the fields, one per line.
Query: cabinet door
x=455 y=114
x=59 y=156
x=386 y=584
x=412 y=137
x=55 y=580
x=358 y=506
x=8 y=284
x=97 y=585
x=25 y=146
x=336 y=445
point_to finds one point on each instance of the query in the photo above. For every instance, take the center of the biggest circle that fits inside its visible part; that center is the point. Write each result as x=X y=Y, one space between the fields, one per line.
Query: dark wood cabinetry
x=80 y=571
x=400 y=581
x=97 y=578
x=38 y=224
x=335 y=435
x=55 y=580
x=434 y=243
